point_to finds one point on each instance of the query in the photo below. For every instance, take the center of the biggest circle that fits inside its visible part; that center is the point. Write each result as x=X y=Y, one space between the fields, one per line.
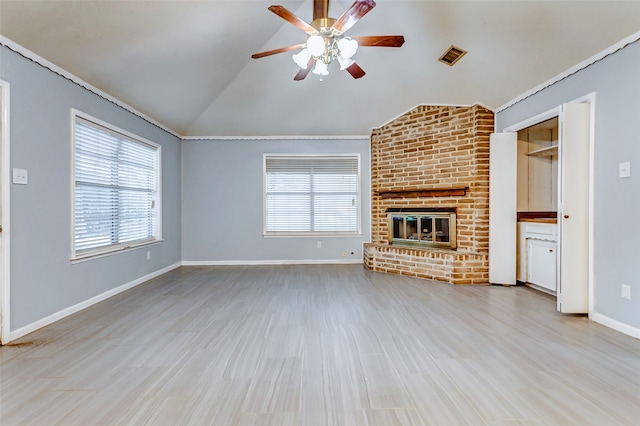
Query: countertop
x=540 y=220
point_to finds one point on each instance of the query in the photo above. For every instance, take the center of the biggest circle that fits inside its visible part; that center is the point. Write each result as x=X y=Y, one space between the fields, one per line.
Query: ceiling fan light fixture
x=345 y=62
x=320 y=68
x=302 y=58
x=315 y=45
x=326 y=41
x=347 y=47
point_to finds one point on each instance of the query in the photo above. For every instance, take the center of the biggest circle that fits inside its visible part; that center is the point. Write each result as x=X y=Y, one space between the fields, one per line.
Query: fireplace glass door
x=423 y=229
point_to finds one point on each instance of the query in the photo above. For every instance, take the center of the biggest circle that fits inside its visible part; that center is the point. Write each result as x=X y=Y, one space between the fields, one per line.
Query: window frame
x=81 y=255
x=356 y=233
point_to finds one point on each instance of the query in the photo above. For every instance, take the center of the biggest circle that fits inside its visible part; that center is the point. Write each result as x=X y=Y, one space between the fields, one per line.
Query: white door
x=573 y=208
x=502 y=208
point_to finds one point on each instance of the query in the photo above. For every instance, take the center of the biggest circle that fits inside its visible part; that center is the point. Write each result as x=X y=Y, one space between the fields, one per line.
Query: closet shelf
x=547 y=151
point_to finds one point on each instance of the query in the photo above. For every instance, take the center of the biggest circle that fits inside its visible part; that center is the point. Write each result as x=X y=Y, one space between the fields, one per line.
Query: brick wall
x=433 y=147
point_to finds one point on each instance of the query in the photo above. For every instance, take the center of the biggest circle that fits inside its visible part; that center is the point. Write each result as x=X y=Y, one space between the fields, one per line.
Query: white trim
x=311 y=234
x=270 y=262
x=77 y=113
x=77 y=80
x=574 y=69
x=80 y=82
x=22 y=331
x=5 y=289
x=589 y=98
x=278 y=138
x=616 y=325
x=113 y=249
x=544 y=116
x=314 y=234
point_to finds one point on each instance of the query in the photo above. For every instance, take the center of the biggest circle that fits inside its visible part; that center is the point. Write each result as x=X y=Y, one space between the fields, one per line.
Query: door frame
x=5 y=179
x=555 y=112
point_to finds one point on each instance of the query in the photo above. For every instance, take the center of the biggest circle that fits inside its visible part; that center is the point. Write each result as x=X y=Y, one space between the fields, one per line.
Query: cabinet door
x=542 y=256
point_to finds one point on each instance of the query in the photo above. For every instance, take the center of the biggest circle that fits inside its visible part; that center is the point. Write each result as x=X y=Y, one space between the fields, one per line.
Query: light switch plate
x=19 y=176
x=624 y=170
x=626 y=291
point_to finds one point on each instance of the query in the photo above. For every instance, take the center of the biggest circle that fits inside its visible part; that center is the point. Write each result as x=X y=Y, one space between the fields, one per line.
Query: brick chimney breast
x=417 y=161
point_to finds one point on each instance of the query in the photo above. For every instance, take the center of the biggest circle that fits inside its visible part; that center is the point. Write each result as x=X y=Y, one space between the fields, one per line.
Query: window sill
x=311 y=234
x=113 y=250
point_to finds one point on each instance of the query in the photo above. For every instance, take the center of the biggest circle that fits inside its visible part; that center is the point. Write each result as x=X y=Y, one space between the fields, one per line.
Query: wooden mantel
x=454 y=191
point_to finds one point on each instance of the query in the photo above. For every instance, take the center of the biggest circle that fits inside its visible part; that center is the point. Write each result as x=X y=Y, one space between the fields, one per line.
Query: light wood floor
x=320 y=345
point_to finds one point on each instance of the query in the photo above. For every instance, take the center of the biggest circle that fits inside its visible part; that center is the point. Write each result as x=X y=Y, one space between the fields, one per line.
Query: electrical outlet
x=344 y=253
x=148 y=255
x=319 y=244
x=626 y=291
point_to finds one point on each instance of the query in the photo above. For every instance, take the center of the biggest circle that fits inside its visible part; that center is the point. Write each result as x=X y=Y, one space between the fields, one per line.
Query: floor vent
x=452 y=55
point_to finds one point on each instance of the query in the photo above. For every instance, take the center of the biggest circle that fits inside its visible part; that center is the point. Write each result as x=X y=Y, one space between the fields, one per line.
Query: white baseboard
x=616 y=325
x=269 y=262
x=22 y=331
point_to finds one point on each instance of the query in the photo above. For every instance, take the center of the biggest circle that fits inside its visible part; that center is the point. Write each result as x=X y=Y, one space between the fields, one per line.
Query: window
x=312 y=195
x=116 y=189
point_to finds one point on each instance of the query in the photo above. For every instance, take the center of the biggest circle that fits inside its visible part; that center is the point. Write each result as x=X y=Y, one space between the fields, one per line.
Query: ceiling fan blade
x=320 y=9
x=302 y=74
x=276 y=51
x=288 y=16
x=353 y=15
x=381 y=41
x=355 y=71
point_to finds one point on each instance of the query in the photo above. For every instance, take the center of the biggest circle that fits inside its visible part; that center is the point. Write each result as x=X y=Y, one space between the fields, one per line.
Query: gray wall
x=43 y=280
x=222 y=192
x=616 y=81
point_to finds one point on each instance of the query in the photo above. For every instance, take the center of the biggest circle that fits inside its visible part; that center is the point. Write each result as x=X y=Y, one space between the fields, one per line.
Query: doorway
x=537 y=206
x=572 y=180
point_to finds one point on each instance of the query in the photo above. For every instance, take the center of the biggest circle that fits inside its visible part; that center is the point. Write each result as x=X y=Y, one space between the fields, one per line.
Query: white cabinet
x=541 y=261
x=537 y=254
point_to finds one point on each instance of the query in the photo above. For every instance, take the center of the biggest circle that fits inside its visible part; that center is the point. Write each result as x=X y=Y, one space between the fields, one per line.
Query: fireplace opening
x=422 y=228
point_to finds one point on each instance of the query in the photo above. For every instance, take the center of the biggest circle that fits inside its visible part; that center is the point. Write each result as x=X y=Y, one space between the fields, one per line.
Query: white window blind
x=312 y=194
x=116 y=187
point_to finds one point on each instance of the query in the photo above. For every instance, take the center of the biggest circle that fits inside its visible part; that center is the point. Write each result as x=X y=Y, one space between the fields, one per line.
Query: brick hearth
x=423 y=159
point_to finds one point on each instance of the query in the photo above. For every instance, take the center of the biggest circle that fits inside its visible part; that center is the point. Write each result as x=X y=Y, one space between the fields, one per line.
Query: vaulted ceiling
x=187 y=64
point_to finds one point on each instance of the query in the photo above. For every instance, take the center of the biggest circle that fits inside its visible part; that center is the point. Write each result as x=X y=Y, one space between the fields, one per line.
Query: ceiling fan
x=326 y=41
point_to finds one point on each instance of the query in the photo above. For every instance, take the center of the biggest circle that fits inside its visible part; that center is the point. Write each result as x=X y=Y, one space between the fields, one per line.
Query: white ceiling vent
x=452 y=55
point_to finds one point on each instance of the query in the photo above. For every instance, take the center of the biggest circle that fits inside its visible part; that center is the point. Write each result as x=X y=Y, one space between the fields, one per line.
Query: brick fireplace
x=433 y=158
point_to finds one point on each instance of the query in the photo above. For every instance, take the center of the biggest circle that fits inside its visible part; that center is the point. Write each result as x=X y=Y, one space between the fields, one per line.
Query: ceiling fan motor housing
x=323 y=25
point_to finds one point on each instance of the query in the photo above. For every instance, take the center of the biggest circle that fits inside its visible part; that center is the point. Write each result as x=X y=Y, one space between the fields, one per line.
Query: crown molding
x=23 y=51
x=574 y=69
x=279 y=138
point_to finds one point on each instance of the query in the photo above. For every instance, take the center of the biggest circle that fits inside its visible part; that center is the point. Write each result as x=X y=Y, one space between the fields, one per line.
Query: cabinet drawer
x=542 y=231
